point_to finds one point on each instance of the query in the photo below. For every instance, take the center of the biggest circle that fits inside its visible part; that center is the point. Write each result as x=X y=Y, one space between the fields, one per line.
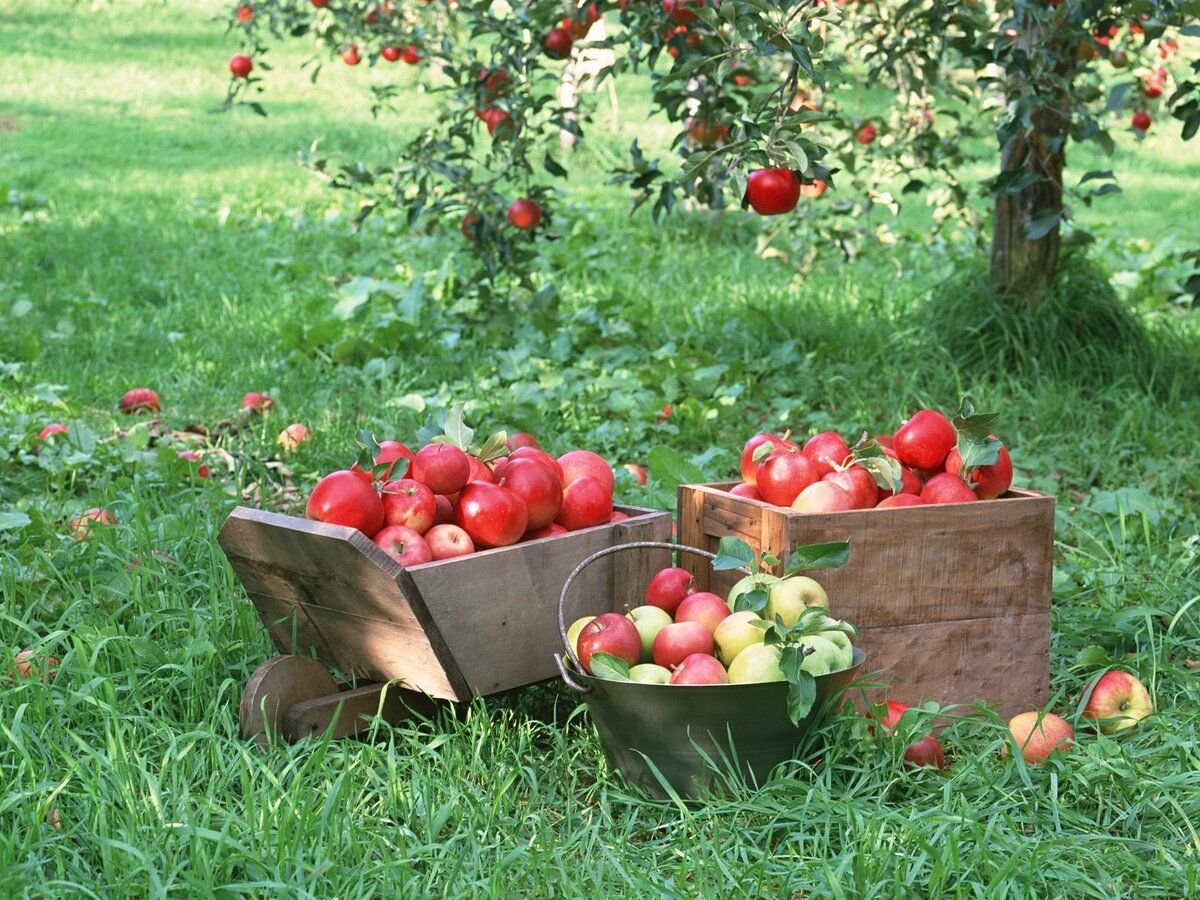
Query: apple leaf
x=672 y=467
x=884 y=469
x=802 y=687
x=494 y=447
x=456 y=430
x=366 y=440
x=433 y=428
x=609 y=667
x=733 y=553
x=818 y=556
x=974 y=426
x=762 y=451
x=974 y=454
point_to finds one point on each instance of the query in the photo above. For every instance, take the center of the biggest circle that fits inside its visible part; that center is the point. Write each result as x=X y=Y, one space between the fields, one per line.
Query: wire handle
x=600 y=554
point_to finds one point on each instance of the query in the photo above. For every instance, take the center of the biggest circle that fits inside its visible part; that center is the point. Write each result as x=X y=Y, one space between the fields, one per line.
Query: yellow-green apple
x=737 y=632
x=294 y=435
x=649 y=673
x=823 y=497
x=448 y=540
x=403 y=544
x=704 y=607
x=679 y=640
x=699 y=668
x=649 y=621
x=791 y=596
x=759 y=581
x=825 y=657
x=841 y=640
x=758 y=662
x=668 y=587
x=410 y=503
x=609 y=633
x=925 y=752
x=444 y=468
x=1038 y=735
x=573 y=631
x=1117 y=701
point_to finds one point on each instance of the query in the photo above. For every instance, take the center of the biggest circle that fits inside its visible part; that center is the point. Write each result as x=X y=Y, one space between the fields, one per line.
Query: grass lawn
x=145 y=240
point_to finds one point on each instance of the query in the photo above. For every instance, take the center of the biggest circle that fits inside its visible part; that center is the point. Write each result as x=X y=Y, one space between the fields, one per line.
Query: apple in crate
x=703 y=607
x=823 y=497
x=828 y=450
x=925 y=440
x=680 y=640
x=448 y=540
x=947 y=488
x=988 y=482
x=749 y=468
x=736 y=632
x=576 y=464
x=699 y=668
x=343 y=498
x=668 y=587
x=791 y=596
x=442 y=467
x=409 y=503
x=609 y=633
x=783 y=475
x=1118 y=701
x=1037 y=735
x=492 y=515
x=538 y=485
x=403 y=544
x=585 y=502
x=649 y=621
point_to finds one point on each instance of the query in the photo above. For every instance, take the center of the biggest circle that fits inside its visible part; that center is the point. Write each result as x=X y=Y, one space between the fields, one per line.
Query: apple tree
x=772 y=104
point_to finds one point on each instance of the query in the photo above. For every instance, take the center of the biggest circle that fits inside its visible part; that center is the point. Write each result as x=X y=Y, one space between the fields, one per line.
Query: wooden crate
x=451 y=629
x=952 y=601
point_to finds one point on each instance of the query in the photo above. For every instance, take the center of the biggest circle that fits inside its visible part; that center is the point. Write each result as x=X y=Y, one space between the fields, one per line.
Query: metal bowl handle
x=599 y=554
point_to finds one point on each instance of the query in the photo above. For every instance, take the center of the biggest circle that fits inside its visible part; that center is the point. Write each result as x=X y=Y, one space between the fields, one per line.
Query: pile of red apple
x=682 y=636
x=930 y=459
x=443 y=501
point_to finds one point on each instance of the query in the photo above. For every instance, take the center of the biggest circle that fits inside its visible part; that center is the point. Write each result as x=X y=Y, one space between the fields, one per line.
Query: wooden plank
x=339 y=595
x=498 y=610
x=691 y=533
x=350 y=712
x=631 y=571
x=1004 y=662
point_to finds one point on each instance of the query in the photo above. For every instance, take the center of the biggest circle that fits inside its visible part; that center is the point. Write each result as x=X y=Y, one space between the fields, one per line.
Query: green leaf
x=971 y=425
x=985 y=452
x=802 y=687
x=11 y=520
x=494 y=447
x=672 y=467
x=1092 y=656
x=607 y=666
x=733 y=553
x=829 y=555
x=1042 y=224
x=752 y=592
x=455 y=430
x=366 y=440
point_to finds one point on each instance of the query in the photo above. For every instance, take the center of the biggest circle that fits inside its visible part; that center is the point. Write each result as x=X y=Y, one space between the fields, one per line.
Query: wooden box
x=452 y=629
x=952 y=601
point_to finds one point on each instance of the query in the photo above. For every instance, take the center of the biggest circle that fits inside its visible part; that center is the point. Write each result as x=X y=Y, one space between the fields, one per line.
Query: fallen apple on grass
x=293 y=436
x=1117 y=701
x=29 y=665
x=140 y=400
x=1037 y=735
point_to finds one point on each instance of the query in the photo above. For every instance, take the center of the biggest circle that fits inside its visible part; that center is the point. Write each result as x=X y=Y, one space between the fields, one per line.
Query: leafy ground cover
x=147 y=241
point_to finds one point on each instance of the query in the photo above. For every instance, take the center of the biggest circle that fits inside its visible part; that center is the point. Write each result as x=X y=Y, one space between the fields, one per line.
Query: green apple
x=758 y=662
x=649 y=673
x=573 y=632
x=842 y=641
x=825 y=658
x=759 y=580
x=791 y=596
x=737 y=632
x=649 y=621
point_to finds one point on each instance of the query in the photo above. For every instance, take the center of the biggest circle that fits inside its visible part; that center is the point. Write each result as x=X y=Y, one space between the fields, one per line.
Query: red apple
x=521 y=439
x=891 y=717
x=1037 y=735
x=410 y=55
x=350 y=55
x=925 y=752
x=257 y=401
x=609 y=633
x=201 y=471
x=557 y=43
x=524 y=214
x=668 y=587
x=80 y=527
x=749 y=467
x=535 y=453
x=813 y=189
x=585 y=502
x=772 y=192
x=749 y=491
x=925 y=440
x=409 y=503
x=618 y=516
x=1117 y=701
x=444 y=513
x=479 y=469
x=680 y=640
x=823 y=497
x=404 y=545
x=947 y=488
x=703 y=607
x=539 y=487
x=858 y=483
x=866 y=134
x=828 y=450
x=699 y=668
x=544 y=532
x=900 y=500
x=681 y=12
x=343 y=498
x=240 y=65
x=577 y=463
x=443 y=467
x=293 y=436
x=988 y=482
x=636 y=471
x=783 y=475
x=492 y=515
x=391 y=54
x=1141 y=121
x=140 y=400
x=27 y=665
x=50 y=430
x=448 y=540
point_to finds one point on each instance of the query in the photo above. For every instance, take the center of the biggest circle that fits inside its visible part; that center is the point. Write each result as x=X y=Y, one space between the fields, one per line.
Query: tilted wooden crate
x=451 y=629
x=952 y=601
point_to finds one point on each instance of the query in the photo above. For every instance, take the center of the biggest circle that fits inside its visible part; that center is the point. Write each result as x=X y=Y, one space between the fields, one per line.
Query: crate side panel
x=498 y=610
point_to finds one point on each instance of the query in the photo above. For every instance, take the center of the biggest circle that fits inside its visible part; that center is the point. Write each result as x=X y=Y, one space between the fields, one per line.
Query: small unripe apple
x=791 y=596
x=756 y=663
